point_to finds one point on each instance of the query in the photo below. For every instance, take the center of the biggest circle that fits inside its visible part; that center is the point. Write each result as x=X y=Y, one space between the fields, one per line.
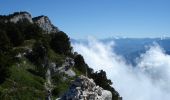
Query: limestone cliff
x=21 y=16
x=42 y=21
x=84 y=88
x=45 y=23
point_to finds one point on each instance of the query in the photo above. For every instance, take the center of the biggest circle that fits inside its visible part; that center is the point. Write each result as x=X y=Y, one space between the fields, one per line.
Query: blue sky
x=100 y=18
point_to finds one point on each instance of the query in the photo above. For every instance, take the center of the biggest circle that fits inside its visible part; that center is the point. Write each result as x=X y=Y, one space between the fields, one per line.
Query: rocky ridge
x=45 y=24
x=84 y=88
x=42 y=21
x=21 y=16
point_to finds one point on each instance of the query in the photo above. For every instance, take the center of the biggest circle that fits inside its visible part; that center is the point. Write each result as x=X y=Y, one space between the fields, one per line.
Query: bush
x=30 y=31
x=60 y=43
x=100 y=79
x=4 y=42
x=80 y=64
x=14 y=34
x=38 y=56
x=4 y=67
x=33 y=31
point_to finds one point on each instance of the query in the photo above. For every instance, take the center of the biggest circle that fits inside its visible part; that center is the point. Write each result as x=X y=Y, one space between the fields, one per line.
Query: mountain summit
x=42 y=21
x=45 y=23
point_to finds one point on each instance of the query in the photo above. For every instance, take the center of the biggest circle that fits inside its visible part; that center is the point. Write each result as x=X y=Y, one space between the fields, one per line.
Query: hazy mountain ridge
x=131 y=48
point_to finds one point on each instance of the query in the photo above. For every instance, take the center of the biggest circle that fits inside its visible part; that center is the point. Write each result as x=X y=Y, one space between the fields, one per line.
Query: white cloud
x=147 y=81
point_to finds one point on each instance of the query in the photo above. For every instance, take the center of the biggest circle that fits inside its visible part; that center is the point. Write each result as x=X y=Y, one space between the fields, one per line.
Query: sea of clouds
x=148 y=80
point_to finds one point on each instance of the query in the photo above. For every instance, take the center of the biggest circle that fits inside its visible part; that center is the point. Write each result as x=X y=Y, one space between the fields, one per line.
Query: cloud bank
x=148 y=80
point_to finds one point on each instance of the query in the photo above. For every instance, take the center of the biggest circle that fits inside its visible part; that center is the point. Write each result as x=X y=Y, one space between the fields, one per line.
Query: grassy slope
x=24 y=85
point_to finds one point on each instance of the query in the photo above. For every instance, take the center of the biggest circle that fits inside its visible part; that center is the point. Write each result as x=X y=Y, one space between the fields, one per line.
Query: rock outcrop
x=42 y=21
x=84 y=88
x=66 y=67
x=21 y=16
x=45 y=24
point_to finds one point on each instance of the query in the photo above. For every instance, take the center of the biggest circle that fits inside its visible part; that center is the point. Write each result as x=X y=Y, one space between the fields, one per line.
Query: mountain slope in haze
x=131 y=48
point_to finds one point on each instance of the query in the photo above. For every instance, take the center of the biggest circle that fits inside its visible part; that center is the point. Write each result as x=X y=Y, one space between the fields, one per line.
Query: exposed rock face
x=84 y=88
x=45 y=24
x=66 y=67
x=42 y=21
x=21 y=16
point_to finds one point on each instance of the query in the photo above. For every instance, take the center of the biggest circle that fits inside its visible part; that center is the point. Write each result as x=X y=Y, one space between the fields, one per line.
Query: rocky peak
x=42 y=21
x=45 y=23
x=84 y=88
x=20 y=16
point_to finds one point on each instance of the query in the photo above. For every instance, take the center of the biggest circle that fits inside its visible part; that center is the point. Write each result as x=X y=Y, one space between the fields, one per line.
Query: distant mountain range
x=131 y=48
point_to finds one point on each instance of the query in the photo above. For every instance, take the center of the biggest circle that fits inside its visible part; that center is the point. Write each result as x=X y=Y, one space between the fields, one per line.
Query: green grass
x=28 y=43
x=54 y=57
x=60 y=88
x=22 y=85
x=78 y=73
x=25 y=45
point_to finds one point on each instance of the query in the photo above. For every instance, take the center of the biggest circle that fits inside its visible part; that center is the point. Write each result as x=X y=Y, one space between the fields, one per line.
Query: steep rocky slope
x=42 y=64
x=45 y=24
